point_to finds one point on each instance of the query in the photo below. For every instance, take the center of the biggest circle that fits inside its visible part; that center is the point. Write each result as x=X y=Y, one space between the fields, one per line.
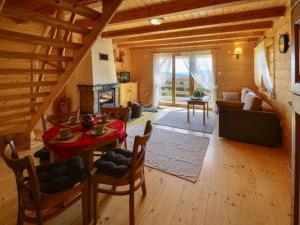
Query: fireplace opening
x=106 y=98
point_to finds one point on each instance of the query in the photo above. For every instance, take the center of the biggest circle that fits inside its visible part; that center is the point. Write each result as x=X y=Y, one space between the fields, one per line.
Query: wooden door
x=296 y=114
x=295 y=59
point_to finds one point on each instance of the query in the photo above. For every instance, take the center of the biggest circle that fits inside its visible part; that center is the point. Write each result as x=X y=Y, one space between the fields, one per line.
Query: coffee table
x=204 y=101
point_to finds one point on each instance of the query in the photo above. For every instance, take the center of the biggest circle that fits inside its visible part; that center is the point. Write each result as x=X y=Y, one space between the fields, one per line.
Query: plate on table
x=93 y=133
x=66 y=137
x=101 y=122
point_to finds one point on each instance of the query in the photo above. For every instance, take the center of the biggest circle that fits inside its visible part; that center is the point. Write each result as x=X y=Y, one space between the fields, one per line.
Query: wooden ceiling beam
x=165 y=9
x=74 y=7
x=33 y=56
x=206 y=21
x=194 y=39
x=19 y=13
x=197 y=44
x=33 y=39
x=197 y=32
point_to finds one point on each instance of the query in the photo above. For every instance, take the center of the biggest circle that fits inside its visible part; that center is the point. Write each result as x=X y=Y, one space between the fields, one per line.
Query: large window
x=185 y=74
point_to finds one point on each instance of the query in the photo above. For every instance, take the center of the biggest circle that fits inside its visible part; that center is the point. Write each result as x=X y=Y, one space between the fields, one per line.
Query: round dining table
x=82 y=139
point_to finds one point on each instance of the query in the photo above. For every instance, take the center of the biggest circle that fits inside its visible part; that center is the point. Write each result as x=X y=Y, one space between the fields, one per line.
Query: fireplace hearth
x=93 y=97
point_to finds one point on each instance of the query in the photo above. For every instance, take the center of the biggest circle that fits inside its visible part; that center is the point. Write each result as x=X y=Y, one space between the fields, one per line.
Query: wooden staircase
x=27 y=91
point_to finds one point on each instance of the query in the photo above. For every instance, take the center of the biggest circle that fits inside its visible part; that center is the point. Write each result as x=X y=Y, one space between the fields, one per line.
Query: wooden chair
x=120 y=113
x=136 y=172
x=35 y=206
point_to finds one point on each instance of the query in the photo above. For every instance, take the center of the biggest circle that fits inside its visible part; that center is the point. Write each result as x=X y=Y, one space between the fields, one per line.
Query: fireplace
x=106 y=98
x=93 y=97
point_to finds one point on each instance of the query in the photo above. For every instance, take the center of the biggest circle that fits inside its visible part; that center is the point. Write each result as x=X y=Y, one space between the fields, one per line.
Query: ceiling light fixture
x=156 y=21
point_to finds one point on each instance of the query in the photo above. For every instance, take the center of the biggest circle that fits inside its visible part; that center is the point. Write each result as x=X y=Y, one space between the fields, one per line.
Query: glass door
x=183 y=82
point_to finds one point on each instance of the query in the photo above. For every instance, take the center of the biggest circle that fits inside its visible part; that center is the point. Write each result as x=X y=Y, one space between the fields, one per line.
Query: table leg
x=207 y=109
x=193 y=109
x=204 y=113
x=87 y=157
x=188 y=113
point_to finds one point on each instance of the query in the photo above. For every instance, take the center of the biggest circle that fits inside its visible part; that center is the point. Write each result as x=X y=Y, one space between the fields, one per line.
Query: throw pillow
x=252 y=102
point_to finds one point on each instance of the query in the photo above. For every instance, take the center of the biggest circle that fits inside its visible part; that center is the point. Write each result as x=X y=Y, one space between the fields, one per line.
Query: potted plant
x=200 y=92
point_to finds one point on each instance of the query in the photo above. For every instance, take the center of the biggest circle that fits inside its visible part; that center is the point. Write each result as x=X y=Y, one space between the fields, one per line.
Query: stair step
x=16 y=122
x=23 y=96
x=24 y=55
x=6 y=108
x=19 y=13
x=26 y=84
x=73 y=7
x=38 y=40
x=15 y=116
x=6 y=71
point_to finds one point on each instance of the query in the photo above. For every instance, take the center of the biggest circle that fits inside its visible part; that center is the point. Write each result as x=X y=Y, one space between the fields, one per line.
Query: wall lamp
x=237 y=52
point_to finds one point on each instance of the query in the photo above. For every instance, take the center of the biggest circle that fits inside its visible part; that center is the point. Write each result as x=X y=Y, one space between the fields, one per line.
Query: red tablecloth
x=66 y=150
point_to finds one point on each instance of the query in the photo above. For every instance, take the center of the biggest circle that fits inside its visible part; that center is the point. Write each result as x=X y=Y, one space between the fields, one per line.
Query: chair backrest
x=139 y=146
x=117 y=112
x=25 y=173
x=58 y=118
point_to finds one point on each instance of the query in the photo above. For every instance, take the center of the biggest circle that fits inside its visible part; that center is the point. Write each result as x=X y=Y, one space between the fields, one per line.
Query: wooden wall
x=282 y=66
x=231 y=74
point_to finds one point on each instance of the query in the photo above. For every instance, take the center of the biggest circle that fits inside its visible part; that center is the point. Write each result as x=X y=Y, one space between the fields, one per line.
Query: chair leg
x=125 y=143
x=131 y=205
x=144 y=184
x=85 y=204
x=95 y=204
x=19 y=219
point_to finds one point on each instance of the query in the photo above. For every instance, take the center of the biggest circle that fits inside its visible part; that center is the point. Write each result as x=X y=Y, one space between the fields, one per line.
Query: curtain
x=161 y=70
x=261 y=69
x=201 y=69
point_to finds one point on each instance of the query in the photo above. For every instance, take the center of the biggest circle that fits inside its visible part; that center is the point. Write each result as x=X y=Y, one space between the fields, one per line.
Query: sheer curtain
x=161 y=69
x=201 y=69
x=261 y=69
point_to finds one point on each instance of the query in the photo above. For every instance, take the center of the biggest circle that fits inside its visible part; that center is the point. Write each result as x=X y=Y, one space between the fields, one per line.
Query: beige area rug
x=175 y=153
x=178 y=119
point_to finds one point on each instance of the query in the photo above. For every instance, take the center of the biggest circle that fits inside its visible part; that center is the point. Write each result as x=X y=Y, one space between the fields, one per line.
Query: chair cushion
x=115 y=163
x=252 y=102
x=42 y=154
x=56 y=177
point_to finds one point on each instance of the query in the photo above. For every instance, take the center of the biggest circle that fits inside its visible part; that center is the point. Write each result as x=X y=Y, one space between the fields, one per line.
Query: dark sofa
x=257 y=126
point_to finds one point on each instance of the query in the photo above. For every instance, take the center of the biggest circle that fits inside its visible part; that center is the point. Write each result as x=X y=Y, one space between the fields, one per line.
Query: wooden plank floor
x=239 y=184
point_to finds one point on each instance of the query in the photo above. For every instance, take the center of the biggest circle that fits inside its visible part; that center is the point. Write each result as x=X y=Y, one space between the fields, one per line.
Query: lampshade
x=238 y=51
x=156 y=21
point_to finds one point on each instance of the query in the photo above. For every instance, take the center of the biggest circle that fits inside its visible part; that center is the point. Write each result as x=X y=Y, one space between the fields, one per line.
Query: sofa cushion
x=244 y=91
x=230 y=104
x=252 y=102
x=231 y=96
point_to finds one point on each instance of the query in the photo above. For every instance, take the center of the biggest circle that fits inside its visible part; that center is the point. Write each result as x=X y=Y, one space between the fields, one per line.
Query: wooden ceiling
x=191 y=22
x=184 y=21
